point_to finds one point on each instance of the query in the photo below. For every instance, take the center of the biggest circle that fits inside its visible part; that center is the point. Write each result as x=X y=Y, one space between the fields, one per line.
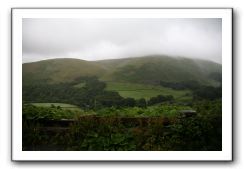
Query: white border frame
x=19 y=155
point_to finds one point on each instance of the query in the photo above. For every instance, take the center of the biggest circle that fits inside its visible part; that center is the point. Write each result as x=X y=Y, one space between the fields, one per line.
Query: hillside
x=145 y=70
x=152 y=69
x=59 y=70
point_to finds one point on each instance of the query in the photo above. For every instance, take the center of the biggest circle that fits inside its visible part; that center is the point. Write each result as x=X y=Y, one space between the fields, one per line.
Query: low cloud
x=98 y=39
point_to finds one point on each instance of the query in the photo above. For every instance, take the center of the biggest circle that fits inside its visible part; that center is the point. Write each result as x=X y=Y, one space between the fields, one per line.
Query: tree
x=141 y=103
x=160 y=99
x=129 y=102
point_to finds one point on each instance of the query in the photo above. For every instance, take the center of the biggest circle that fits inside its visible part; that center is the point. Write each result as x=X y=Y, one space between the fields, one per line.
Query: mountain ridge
x=145 y=69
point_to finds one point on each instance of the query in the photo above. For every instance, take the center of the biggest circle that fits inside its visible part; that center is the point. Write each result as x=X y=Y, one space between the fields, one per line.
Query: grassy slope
x=80 y=85
x=151 y=70
x=138 y=91
x=131 y=77
x=59 y=70
x=147 y=70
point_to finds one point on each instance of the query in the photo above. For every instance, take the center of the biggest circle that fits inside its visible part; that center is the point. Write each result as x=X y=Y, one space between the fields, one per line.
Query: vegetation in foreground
x=167 y=131
x=126 y=104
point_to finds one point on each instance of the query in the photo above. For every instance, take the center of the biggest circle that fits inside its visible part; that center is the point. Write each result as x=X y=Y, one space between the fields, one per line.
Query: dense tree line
x=192 y=85
x=207 y=93
x=200 y=92
x=91 y=95
x=160 y=99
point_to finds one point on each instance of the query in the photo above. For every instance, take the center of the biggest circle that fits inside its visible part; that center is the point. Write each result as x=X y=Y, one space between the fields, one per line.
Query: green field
x=62 y=105
x=80 y=85
x=138 y=91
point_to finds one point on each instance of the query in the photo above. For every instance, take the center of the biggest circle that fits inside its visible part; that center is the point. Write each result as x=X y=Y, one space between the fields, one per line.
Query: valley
x=130 y=104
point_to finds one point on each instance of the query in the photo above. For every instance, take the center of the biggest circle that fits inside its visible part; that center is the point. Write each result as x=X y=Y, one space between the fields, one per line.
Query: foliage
x=130 y=112
x=207 y=92
x=202 y=132
x=160 y=99
x=199 y=91
x=85 y=97
x=141 y=103
x=53 y=112
x=91 y=96
x=58 y=105
x=181 y=85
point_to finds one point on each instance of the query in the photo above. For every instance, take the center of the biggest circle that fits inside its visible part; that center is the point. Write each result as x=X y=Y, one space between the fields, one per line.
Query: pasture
x=138 y=91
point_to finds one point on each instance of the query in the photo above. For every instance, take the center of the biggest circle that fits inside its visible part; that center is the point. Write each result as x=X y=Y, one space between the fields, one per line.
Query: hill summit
x=145 y=70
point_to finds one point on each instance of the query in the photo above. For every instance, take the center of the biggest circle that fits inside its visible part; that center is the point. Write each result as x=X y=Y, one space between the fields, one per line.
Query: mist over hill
x=145 y=70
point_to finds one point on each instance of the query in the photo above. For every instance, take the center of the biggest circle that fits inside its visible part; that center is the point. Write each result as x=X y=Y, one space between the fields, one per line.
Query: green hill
x=59 y=70
x=151 y=70
x=145 y=70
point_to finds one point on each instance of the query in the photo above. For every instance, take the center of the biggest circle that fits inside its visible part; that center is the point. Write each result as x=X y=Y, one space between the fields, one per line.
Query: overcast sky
x=98 y=39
